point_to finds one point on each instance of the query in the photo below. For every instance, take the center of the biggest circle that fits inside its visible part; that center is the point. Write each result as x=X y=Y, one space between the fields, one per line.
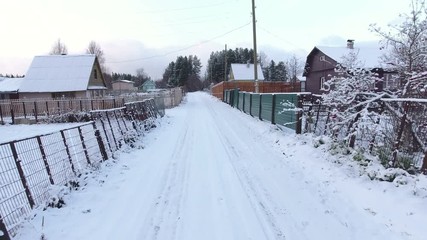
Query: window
x=322 y=58
x=322 y=82
x=95 y=73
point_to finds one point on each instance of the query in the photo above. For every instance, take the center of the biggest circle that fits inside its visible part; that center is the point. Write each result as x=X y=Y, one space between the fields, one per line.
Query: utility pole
x=255 y=50
x=225 y=66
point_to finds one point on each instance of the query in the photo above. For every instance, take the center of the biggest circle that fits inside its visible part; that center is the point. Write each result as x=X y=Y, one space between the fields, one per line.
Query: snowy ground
x=211 y=172
x=20 y=131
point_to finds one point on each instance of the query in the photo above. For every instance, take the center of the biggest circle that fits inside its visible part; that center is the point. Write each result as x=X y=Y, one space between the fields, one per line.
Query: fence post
x=21 y=174
x=100 y=142
x=82 y=139
x=105 y=133
x=400 y=133
x=1 y=116
x=91 y=104
x=424 y=166
x=112 y=132
x=118 y=123
x=67 y=149
x=3 y=230
x=46 y=164
x=114 y=103
x=273 y=110
x=47 y=108
x=12 y=114
x=250 y=104
x=81 y=106
x=298 y=127
x=260 y=107
x=35 y=111
x=25 y=111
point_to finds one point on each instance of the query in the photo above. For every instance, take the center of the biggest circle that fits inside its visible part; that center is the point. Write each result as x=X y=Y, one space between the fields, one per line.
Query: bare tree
x=295 y=67
x=406 y=41
x=95 y=48
x=58 y=48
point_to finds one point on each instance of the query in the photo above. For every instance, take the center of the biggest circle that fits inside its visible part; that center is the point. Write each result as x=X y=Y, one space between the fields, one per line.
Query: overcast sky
x=151 y=33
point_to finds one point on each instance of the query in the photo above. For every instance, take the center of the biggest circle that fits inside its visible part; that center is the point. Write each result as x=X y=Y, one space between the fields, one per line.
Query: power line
x=181 y=49
x=280 y=38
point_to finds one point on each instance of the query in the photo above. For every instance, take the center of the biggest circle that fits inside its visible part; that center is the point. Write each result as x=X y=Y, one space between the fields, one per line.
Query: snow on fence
x=30 y=167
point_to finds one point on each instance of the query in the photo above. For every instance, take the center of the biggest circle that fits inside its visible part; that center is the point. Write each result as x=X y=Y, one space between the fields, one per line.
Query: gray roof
x=59 y=73
x=10 y=85
x=368 y=56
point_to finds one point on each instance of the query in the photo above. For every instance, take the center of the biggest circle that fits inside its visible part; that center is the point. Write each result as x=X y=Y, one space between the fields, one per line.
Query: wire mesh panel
x=91 y=144
x=57 y=158
x=77 y=152
x=14 y=205
x=34 y=169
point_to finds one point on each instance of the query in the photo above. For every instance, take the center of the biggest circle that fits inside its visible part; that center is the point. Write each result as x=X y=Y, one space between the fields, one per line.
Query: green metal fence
x=284 y=109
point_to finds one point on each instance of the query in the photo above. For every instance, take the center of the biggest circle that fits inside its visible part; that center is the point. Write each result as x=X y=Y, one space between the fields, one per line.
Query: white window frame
x=322 y=58
x=322 y=82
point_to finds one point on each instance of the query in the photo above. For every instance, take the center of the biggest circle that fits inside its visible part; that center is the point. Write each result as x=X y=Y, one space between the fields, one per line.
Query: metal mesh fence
x=29 y=167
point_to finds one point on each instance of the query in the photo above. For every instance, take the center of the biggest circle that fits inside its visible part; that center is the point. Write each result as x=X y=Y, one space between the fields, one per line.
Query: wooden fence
x=249 y=86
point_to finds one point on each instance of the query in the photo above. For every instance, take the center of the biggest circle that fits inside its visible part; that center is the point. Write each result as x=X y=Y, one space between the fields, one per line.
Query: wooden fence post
x=260 y=107
x=21 y=174
x=424 y=167
x=25 y=111
x=46 y=164
x=400 y=133
x=1 y=116
x=67 y=149
x=82 y=139
x=47 y=108
x=12 y=114
x=35 y=111
x=298 y=127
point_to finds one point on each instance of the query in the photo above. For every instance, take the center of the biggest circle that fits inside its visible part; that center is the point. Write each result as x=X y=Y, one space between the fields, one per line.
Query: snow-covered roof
x=368 y=56
x=10 y=84
x=243 y=71
x=59 y=73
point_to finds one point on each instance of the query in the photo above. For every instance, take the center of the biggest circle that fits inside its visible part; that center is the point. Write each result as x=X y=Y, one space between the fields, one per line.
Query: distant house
x=9 y=87
x=321 y=62
x=123 y=86
x=148 y=86
x=244 y=72
x=57 y=76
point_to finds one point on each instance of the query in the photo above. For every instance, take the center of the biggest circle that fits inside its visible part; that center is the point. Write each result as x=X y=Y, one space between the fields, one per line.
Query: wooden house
x=59 y=76
x=322 y=61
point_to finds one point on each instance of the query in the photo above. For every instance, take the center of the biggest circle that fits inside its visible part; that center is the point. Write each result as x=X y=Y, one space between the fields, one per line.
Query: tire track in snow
x=165 y=213
x=260 y=201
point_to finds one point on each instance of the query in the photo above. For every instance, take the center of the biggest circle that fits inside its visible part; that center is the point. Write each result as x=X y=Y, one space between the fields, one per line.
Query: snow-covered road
x=207 y=174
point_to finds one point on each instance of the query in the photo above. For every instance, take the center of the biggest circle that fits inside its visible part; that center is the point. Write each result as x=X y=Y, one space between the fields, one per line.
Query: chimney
x=350 y=44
